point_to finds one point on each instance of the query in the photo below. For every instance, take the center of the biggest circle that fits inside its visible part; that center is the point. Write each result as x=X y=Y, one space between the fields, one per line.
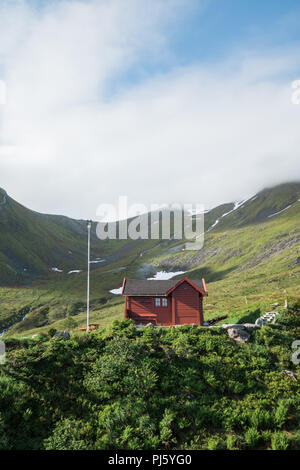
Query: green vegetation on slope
x=249 y=261
x=251 y=266
x=31 y=244
x=176 y=388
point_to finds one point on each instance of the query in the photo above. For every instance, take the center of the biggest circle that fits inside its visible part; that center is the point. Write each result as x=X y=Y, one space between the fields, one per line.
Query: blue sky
x=159 y=100
x=224 y=24
x=209 y=30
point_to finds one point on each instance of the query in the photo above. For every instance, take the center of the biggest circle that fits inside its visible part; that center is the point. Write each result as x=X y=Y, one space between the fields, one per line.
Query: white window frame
x=157 y=302
x=164 y=302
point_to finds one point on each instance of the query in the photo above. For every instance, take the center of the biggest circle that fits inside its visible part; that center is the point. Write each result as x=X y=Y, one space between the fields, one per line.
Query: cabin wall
x=140 y=306
x=144 y=310
x=164 y=314
x=201 y=309
x=187 y=305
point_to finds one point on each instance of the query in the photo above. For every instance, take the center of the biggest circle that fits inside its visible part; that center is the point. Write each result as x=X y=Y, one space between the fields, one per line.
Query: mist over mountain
x=34 y=245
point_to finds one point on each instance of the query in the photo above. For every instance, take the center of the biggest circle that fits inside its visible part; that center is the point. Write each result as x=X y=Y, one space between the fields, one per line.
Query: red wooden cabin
x=167 y=303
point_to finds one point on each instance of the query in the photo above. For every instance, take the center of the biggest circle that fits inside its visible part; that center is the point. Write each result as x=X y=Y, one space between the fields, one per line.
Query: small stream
x=3 y=332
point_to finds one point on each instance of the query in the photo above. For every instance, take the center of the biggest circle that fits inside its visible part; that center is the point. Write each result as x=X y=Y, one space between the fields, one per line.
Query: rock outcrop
x=63 y=335
x=239 y=334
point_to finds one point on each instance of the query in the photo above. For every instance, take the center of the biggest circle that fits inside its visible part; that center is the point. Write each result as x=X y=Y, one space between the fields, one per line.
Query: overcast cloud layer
x=203 y=133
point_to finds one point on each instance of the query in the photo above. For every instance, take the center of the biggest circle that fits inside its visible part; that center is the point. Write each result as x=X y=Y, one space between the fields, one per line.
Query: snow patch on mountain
x=163 y=275
x=277 y=213
x=237 y=205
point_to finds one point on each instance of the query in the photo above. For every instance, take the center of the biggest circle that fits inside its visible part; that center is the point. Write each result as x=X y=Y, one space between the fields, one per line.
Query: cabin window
x=164 y=302
x=157 y=302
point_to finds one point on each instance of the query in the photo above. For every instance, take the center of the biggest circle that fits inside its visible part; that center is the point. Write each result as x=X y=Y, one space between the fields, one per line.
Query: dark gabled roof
x=143 y=287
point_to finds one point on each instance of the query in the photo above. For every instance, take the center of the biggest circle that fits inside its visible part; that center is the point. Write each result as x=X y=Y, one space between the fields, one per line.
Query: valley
x=250 y=260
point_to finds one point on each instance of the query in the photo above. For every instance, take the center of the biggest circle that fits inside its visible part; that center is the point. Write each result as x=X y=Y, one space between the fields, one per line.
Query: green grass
x=247 y=266
x=253 y=266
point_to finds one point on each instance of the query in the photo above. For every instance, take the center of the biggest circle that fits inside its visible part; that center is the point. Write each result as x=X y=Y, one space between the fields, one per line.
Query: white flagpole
x=88 y=277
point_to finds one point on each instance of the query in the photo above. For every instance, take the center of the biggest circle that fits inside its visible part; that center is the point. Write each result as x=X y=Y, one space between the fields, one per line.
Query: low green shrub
x=154 y=388
x=252 y=437
x=279 y=441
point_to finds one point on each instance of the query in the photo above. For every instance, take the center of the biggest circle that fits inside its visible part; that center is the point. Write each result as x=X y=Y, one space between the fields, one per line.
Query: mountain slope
x=251 y=256
x=33 y=244
x=261 y=207
x=248 y=258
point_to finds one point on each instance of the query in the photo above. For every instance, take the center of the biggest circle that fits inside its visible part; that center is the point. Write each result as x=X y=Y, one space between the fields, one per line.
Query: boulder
x=63 y=335
x=239 y=335
x=233 y=325
x=250 y=326
x=239 y=326
x=260 y=322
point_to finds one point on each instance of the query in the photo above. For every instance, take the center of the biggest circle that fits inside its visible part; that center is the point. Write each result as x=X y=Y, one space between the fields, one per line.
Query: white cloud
x=208 y=134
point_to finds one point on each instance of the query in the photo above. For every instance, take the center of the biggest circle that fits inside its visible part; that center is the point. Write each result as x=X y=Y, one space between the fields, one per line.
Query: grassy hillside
x=262 y=207
x=31 y=244
x=249 y=260
x=253 y=264
x=156 y=388
x=178 y=388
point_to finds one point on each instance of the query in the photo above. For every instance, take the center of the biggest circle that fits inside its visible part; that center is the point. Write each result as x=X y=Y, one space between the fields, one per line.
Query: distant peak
x=3 y=197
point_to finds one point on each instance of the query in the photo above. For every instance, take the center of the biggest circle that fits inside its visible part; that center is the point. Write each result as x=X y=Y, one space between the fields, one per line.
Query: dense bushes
x=154 y=388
